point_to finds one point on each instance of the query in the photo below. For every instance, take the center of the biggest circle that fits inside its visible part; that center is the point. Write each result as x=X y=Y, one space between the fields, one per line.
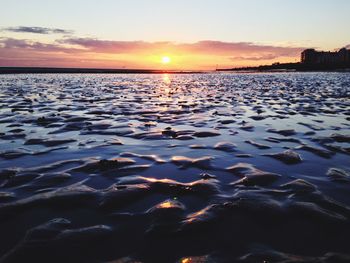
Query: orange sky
x=90 y=52
x=195 y=34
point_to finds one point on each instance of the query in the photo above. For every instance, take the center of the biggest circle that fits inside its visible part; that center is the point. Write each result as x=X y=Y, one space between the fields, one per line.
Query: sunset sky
x=193 y=34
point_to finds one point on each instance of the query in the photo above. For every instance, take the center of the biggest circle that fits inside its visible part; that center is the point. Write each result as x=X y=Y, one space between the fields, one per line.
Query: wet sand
x=175 y=168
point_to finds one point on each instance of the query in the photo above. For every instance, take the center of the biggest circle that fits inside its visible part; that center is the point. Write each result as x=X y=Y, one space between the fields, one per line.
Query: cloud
x=37 y=30
x=28 y=45
x=220 y=47
x=202 y=47
x=114 y=53
x=119 y=47
x=254 y=58
x=233 y=50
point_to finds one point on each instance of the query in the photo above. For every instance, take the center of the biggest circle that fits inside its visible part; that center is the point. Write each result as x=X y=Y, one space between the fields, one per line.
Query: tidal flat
x=227 y=167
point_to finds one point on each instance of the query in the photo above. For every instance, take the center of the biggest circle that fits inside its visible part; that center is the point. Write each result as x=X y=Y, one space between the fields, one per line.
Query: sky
x=193 y=34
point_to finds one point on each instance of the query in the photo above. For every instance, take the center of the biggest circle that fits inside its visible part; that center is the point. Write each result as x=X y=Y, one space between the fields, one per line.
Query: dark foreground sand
x=175 y=168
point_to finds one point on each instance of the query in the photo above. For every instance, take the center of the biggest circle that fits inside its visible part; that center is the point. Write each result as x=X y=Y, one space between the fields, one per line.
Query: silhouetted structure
x=311 y=60
x=311 y=56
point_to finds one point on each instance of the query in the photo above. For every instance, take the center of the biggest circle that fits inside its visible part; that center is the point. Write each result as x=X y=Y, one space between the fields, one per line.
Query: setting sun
x=166 y=60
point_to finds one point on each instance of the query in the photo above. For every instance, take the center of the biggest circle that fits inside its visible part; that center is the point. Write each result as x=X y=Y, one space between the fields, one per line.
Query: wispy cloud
x=254 y=58
x=37 y=30
x=24 y=44
x=202 y=47
x=106 y=46
x=220 y=47
x=114 y=53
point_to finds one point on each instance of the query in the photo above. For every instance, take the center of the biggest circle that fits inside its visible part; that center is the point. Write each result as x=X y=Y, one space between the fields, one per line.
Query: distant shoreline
x=48 y=70
x=291 y=67
x=280 y=68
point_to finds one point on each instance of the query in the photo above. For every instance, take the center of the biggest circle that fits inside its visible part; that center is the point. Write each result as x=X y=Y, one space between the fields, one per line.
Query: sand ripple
x=197 y=168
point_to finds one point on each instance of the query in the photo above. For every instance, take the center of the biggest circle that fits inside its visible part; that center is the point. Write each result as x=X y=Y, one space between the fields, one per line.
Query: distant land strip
x=299 y=67
x=41 y=70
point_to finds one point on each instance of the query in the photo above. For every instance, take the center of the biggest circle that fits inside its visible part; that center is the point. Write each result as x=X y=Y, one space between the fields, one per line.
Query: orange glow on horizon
x=195 y=56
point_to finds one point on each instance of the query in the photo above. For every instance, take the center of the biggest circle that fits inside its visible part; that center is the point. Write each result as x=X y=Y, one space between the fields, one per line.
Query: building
x=311 y=56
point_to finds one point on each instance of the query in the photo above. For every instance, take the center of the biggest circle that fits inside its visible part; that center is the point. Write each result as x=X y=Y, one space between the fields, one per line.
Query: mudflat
x=175 y=167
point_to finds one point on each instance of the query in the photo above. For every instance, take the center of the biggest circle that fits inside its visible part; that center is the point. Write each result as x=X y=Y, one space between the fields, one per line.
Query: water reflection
x=166 y=79
x=111 y=133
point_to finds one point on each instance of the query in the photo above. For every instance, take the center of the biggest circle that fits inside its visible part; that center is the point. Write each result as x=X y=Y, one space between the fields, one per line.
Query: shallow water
x=167 y=168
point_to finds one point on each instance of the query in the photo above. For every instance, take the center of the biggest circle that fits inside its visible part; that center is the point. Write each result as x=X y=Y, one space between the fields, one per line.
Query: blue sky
x=324 y=23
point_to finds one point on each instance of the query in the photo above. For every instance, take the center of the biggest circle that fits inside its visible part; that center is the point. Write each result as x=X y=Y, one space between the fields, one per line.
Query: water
x=166 y=168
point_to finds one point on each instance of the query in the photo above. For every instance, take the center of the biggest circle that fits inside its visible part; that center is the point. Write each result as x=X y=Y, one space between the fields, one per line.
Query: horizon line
x=48 y=70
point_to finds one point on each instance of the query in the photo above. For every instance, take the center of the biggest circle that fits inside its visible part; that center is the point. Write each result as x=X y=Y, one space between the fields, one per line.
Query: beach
x=217 y=167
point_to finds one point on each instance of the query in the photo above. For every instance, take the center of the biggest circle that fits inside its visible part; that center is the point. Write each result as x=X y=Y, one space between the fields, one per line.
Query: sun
x=166 y=60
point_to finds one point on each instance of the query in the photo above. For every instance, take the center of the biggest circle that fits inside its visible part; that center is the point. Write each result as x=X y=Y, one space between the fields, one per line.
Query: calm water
x=167 y=168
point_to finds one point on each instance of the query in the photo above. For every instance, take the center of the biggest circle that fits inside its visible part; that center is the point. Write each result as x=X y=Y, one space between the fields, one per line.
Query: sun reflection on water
x=166 y=79
x=166 y=204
